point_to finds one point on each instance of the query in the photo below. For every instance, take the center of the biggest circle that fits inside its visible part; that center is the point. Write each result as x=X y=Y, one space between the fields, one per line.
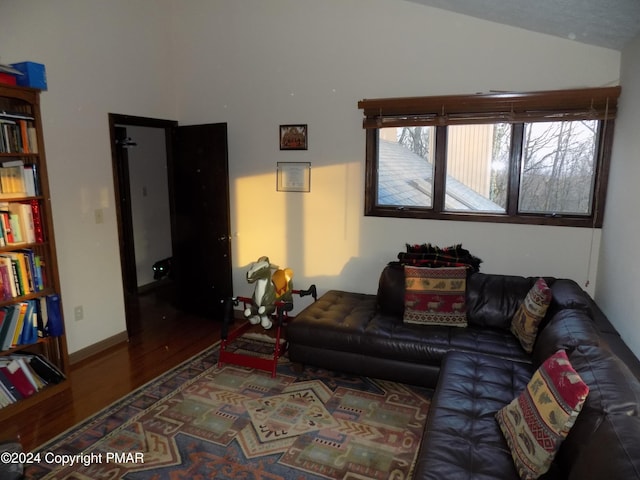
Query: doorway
x=140 y=144
x=174 y=205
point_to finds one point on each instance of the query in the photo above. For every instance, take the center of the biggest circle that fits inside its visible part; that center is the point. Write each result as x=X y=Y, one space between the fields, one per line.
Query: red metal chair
x=281 y=317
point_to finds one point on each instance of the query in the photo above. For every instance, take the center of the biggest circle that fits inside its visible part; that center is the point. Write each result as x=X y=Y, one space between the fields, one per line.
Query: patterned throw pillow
x=539 y=419
x=524 y=324
x=435 y=296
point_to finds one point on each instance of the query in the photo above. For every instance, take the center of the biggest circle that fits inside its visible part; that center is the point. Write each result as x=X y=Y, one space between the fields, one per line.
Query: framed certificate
x=293 y=177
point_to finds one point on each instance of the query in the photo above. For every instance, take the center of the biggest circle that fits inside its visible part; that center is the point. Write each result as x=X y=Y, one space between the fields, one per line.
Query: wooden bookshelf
x=24 y=103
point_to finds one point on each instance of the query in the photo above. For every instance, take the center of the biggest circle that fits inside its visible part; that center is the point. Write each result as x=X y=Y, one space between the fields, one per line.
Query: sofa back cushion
x=612 y=451
x=391 y=290
x=613 y=392
x=566 y=330
x=568 y=294
x=615 y=389
x=492 y=300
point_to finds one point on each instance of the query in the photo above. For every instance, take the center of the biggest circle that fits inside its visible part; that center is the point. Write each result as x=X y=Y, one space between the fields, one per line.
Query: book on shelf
x=17 y=332
x=43 y=317
x=23 y=323
x=4 y=322
x=5 y=284
x=16 y=267
x=21 y=273
x=5 y=225
x=34 y=265
x=5 y=396
x=17 y=376
x=20 y=222
x=30 y=174
x=11 y=390
x=18 y=179
x=41 y=365
x=12 y=181
x=9 y=326
x=24 y=136
x=17 y=133
x=16 y=228
x=34 y=379
x=23 y=373
x=28 y=285
x=29 y=332
x=55 y=326
x=36 y=215
x=23 y=215
x=8 y=275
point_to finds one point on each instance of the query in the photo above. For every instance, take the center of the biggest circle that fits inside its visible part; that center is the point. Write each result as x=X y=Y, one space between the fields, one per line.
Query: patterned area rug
x=199 y=421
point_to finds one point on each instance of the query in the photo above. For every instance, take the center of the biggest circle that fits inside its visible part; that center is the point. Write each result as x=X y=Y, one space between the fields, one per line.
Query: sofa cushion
x=350 y=322
x=613 y=451
x=489 y=341
x=615 y=343
x=435 y=296
x=524 y=324
x=613 y=390
x=337 y=318
x=536 y=422
x=391 y=290
x=492 y=300
x=462 y=440
x=567 y=294
x=566 y=330
x=429 y=344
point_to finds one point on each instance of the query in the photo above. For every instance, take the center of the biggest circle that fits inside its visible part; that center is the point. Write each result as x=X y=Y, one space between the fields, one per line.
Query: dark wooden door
x=201 y=228
x=127 y=251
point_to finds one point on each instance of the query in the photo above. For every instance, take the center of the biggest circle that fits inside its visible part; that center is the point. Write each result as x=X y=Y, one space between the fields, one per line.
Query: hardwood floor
x=162 y=338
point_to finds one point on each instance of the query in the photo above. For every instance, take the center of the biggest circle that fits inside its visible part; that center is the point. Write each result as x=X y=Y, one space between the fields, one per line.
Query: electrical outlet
x=78 y=313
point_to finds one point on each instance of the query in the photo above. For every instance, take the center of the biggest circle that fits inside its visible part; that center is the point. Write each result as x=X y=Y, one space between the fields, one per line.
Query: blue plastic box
x=33 y=75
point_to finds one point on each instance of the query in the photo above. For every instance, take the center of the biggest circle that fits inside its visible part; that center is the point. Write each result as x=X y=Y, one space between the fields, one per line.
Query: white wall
x=101 y=57
x=257 y=64
x=618 y=279
x=149 y=188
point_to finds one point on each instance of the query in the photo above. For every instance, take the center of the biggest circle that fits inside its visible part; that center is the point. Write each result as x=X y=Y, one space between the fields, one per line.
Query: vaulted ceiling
x=605 y=23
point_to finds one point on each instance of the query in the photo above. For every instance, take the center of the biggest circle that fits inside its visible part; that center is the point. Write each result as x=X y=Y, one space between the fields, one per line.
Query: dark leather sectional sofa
x=477 y=370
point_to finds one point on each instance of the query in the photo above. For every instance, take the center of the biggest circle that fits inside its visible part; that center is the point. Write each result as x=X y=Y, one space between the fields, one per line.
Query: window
x=539 y=158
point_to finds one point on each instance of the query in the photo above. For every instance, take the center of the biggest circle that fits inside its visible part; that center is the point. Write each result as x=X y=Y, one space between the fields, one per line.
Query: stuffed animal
x=269 y=289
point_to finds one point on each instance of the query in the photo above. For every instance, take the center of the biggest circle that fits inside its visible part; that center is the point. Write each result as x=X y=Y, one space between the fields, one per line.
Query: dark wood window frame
x=515 y=108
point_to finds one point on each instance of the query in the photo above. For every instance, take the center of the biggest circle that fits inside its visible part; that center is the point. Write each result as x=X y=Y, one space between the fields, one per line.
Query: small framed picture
x=293 y=137
x=293 y=177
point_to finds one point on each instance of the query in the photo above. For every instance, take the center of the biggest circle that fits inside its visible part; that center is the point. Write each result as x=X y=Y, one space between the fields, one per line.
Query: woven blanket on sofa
x=427 y=255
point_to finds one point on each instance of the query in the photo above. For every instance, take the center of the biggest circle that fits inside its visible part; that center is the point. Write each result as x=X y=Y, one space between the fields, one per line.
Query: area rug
x=199 y=421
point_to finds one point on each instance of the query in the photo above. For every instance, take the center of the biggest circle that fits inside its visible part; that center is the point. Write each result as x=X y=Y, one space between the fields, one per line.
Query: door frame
x=122 y=193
